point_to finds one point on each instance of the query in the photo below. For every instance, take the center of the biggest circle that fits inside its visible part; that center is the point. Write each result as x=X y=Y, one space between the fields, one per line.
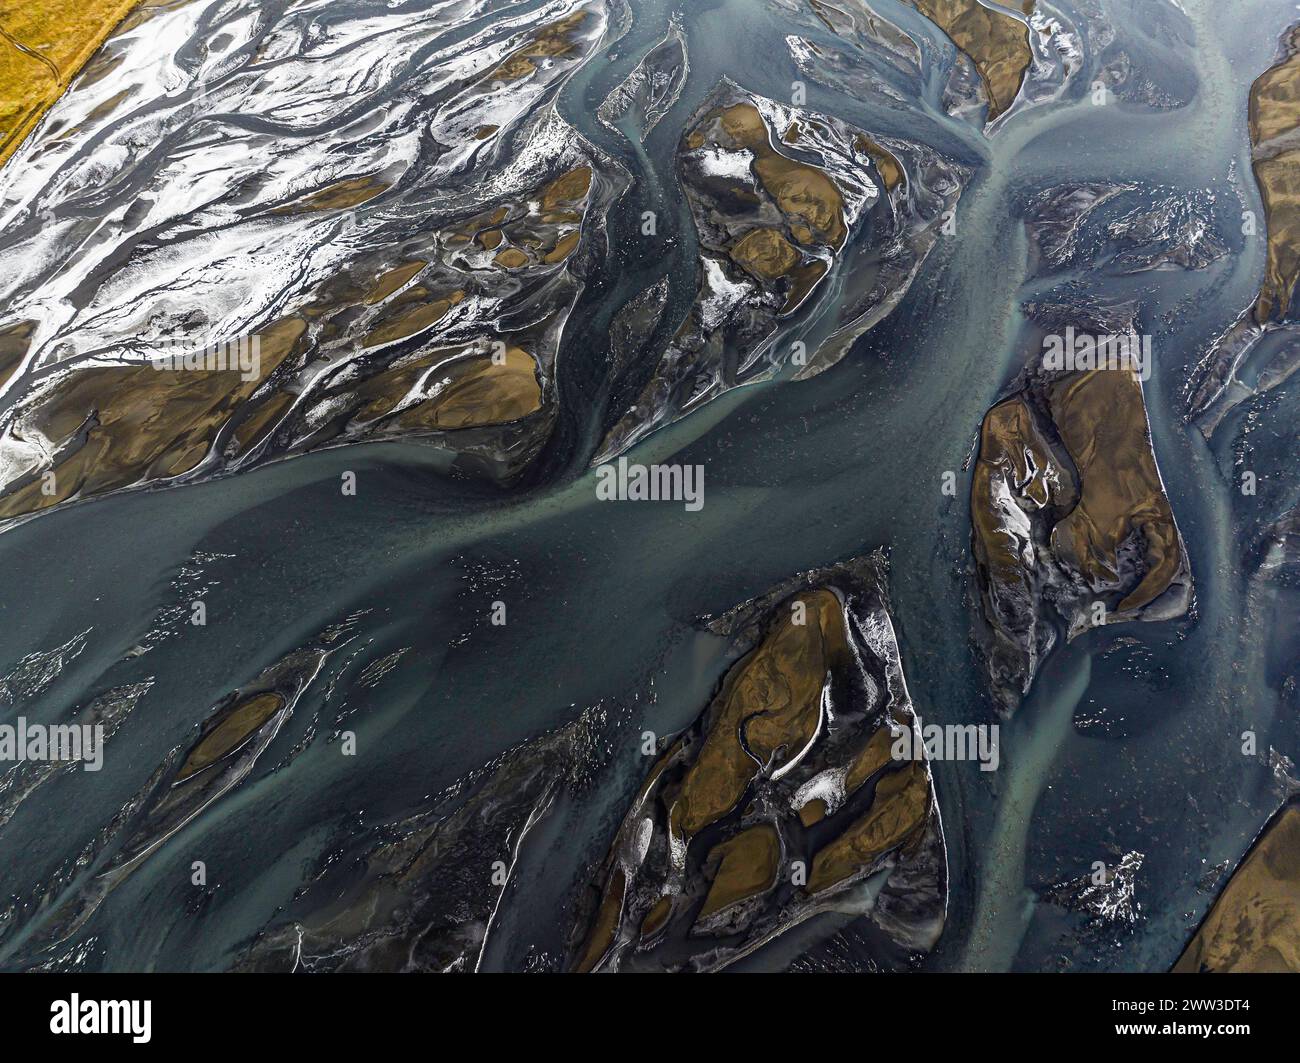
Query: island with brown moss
x=1071 y=525
x=784 y=799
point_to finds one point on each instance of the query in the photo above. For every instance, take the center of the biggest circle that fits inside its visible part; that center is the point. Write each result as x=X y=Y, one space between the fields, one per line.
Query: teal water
x=602 y=597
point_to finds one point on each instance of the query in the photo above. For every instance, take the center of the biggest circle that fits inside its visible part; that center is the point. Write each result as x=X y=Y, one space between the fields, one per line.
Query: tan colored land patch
x=656 y=918
x=1279 y=186
x=606 y=924
x=470 y=391
x=887 y=164
x=772 y=697
x=804 y=192
x=899 y=809
x=765 y=253
x=805 y=278
x=477 y=225
x=1102 y=421
x=747 y=867
x=479 y=391
x=242 y=722
x=387 y=283
x=874 y=756
x=800 y=190
x=114 y=426
x=14 y=343
x=997 y=44
x=511 y=258
x=564 y=247
x=568 y=188
x=339 y=196
x=1009 y=441
x=813 y=812
x=1274 y=121
x=411 y=319
x=254 y=427
x=1254 y=926
x=1275 y=96
x=551 y=42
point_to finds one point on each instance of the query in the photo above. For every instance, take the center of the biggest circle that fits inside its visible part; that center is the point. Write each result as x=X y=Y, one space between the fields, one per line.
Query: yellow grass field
x=43 y=44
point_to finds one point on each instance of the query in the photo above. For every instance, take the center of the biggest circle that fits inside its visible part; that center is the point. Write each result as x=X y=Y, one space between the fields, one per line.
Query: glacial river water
x=602 y=597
